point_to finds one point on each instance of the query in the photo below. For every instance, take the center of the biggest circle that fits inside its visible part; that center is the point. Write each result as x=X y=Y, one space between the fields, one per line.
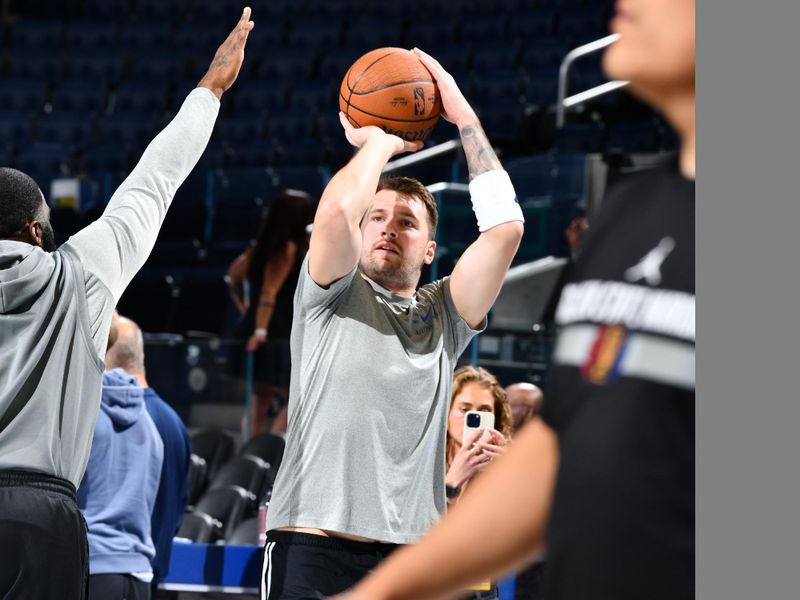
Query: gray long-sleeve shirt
x=56 y=309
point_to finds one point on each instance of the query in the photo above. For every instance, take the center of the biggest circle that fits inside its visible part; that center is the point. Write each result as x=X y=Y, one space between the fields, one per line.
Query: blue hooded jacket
x=119 y=487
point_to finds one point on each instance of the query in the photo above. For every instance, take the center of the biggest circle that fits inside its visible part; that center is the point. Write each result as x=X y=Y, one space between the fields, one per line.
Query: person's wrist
x=260 y=331
x=209 y=83
x=465 y=119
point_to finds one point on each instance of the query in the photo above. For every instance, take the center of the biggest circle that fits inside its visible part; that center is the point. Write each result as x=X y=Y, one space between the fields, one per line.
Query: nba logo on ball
x=419 y=101
x=391 y=89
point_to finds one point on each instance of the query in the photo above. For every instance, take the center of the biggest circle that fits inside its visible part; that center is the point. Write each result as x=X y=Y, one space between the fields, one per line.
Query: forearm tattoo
x=479 y=152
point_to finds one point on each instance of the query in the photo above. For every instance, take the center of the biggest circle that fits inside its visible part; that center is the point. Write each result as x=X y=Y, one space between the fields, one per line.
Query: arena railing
x=564 y=102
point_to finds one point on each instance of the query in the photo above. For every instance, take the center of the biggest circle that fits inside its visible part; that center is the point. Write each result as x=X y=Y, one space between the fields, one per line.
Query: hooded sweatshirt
x=119 y=487
x=56 y=308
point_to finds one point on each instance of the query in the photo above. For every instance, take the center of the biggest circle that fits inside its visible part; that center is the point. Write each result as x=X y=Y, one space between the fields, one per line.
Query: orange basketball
x=391 y=88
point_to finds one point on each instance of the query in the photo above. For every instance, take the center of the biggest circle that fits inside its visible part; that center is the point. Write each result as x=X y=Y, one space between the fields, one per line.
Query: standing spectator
x=55 y=314
x=271 y=268
x=118 y=492
x=173 y=486
x=608 y=471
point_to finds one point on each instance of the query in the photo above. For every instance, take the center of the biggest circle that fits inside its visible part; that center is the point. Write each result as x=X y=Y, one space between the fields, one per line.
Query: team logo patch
x=602 y=364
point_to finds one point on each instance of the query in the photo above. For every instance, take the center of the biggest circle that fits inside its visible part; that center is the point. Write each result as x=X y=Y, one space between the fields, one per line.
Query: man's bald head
x=128 y=351
x=525 y=400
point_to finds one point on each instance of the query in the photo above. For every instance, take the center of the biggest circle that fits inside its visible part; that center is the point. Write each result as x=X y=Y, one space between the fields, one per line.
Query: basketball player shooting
x=373 y=358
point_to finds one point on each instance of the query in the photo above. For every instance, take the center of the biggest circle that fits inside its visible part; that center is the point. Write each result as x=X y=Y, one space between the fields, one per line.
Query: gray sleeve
x=311 y=298
x=460 y=332
x=114 y=247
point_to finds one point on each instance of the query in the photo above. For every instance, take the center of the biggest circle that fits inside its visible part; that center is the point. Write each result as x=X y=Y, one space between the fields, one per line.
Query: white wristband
x=494 y=199
x=260 y=331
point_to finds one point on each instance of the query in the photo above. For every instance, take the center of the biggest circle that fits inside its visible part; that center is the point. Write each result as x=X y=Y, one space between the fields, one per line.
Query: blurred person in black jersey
x=55 y=313
x=271 y=268
x=607 y=475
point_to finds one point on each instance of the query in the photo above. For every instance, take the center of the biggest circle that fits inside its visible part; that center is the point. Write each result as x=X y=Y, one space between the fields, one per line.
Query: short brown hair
x=409 y=188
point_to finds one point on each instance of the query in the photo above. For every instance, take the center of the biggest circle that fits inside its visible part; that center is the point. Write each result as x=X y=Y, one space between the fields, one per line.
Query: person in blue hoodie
x=128 y=354
x=118 y=492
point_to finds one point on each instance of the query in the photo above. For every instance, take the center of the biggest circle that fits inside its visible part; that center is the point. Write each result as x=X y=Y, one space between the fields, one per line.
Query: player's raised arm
x=479 y=273
x=335 y=244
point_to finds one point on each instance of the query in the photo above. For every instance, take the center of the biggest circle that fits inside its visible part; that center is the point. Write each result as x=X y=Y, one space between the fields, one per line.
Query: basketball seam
x=391 y=85
x=385 y=118
x=363 y=71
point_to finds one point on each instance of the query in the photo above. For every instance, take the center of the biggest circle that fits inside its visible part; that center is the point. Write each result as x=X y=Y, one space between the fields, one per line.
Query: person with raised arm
x=56 y=306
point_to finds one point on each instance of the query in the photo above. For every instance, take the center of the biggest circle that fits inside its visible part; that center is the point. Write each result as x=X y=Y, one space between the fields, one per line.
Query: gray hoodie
x=55 y=309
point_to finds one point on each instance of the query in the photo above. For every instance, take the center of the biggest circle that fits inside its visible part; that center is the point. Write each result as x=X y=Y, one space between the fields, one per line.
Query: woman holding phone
x=470 y=450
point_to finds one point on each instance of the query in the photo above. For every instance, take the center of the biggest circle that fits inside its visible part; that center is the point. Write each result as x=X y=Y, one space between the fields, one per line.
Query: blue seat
x=159 y=10
x=485 y=28
x=315 y=34
x=104 y=158
x=642 y=136
x=42 y=65
x=88 y=65
x=311 y=179
x=579 y=137
x=99 y=36
x=256 y=96
x=148 y=98
x=35 y=34
x=530 y=26
x=44 y=162
x=502 y=122
x=334 y=64
x=286 y=65
x=367 y=32
x=314 y=96
x=16 y=126
x=578 y=23
x=200 y=40
x=250 y=153
x=246 y=127
x=492 y=56
x=542 y=88
x=135 y=129
x=146 y=34
x=73 y=129
x=109 y=10
x=429 y=34
x=23 y=94
x=543 y=52
x=291 y=125
x=79 y=96
x=159 y=66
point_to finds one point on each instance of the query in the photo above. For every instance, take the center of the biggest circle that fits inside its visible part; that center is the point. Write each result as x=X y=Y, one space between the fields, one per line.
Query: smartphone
x=475 y=419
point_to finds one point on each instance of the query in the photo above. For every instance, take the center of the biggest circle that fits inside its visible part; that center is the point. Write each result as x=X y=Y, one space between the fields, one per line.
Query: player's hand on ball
x=358 y=136
x=455 y=107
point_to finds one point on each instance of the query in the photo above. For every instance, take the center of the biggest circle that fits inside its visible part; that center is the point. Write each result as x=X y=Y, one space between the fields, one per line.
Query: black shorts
x=45 y=553
x=301 y=566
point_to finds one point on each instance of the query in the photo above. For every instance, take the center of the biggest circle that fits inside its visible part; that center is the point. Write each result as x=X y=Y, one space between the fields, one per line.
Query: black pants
x=117 y=586
x=43 y=545
x=301 y=566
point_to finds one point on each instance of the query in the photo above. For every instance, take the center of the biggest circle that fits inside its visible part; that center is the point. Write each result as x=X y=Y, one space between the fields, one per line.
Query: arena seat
x=245 y=534
x=197 y=479
x=267 y=446
x=200 y=528
x=246 y=471
x=227 y=505
x=215 y=446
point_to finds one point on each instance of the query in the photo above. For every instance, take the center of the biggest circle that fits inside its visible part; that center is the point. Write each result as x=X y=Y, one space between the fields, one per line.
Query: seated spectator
x=474 y=388
x=525 y=400
x=173 y=487
x=118 y=491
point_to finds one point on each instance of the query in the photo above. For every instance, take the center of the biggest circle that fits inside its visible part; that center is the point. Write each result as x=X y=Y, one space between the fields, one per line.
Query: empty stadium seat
x=227 y=505
x=215 y=446
x=199 y=528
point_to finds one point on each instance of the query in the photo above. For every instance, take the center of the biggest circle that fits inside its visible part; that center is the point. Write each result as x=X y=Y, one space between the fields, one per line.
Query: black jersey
x=621 y=399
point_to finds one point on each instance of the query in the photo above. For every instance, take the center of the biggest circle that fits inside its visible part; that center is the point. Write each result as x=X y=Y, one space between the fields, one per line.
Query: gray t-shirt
x=368 y=403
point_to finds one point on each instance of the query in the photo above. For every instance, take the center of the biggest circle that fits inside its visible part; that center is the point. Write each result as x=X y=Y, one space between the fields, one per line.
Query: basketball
x=392 y=89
